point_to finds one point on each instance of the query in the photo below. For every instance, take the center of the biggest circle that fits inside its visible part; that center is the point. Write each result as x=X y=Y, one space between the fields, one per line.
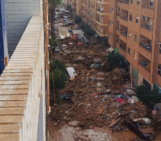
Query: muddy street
x=98 y=101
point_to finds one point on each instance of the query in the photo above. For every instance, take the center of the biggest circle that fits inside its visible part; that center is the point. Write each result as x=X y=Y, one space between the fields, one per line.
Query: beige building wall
x=140 y=77
x=97 y=13
x=130 y=24
x=78 y=7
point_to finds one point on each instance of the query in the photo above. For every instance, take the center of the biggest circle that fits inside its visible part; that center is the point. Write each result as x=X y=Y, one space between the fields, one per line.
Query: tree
x=57 y=64
x=90 y=32
x=59 y=78
x=114 y=59
x=53 y=4
x=147 y=96
x=78 y=19
x=83 y=25
x=87 y=29
x=53 y=42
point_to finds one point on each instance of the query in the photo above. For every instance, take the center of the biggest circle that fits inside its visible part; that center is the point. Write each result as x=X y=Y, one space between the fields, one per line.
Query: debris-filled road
x=101 y=100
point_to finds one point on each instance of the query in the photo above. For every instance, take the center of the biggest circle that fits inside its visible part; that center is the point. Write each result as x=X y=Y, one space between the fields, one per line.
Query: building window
x=136 y=38
x=128 y=50
x=138 y=2
x=160 y=48
x=135 y=55
x=111 y=9
x=137 y=20
x=151 y=2
x=131 y=1
x=159 y=70
x=129 y=34
x=110 y=23
x=130 y=17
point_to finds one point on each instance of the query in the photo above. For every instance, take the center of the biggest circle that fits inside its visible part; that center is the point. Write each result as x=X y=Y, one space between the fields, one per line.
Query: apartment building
x=96 y=14
x=134 y=29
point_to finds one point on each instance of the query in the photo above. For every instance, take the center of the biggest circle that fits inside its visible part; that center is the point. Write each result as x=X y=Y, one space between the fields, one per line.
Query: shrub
x=78 y=19
x=147 y=96
x=114 y=59
x=57 y=64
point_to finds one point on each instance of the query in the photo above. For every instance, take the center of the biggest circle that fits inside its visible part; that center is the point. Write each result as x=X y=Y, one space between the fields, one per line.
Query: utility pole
x=46 y=52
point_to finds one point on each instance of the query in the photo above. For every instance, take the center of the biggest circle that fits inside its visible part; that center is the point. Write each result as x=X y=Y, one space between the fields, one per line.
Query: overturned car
x=141 y=128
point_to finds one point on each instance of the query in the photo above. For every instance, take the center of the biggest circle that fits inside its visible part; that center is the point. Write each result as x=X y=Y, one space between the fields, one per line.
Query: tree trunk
x=53 y=86
x=52 y=20
x=51 y=11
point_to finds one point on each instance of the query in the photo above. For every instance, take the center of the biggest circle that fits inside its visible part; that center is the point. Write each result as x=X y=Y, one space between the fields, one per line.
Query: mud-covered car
x=141 y=128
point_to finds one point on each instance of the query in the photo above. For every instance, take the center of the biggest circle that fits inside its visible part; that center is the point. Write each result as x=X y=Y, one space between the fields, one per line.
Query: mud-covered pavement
x=71 y=133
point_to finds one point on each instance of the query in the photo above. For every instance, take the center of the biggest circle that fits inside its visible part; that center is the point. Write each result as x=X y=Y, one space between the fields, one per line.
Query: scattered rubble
x=100 y=97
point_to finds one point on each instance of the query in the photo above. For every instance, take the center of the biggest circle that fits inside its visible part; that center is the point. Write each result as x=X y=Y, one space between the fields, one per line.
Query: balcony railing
x=101 y=0
x=146 y=46
x=148 y=5
x=124 y=18
x=144 y=65
x=124 y=34
x=124 y=1
x=100 y=10
x=147 y=27
x=99 y=20
x=123 y=47
x=24 y=65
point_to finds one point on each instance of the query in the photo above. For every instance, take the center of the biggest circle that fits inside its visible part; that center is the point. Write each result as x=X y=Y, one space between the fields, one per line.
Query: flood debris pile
x=99 y=96
x=93 y=91
x=98 y=110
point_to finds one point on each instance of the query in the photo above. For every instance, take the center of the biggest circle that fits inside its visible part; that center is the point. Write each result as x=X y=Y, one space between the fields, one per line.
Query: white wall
x=18 y=14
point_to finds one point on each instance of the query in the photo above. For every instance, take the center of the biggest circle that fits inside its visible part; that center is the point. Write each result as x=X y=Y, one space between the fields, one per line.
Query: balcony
x=146 y=46
x=145 y=43
x=147 y=23
x=147 y=4
x=146 y=27
x=123 y=33
x=144 y=65
x=123 y=30
x=124 y=15
x=123 y=46
x=101 y=1
x=100 y=19
x=124 y=1
x=100 y=10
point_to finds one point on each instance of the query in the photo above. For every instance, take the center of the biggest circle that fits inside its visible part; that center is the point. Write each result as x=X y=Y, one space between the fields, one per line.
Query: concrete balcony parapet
x=20 y=84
